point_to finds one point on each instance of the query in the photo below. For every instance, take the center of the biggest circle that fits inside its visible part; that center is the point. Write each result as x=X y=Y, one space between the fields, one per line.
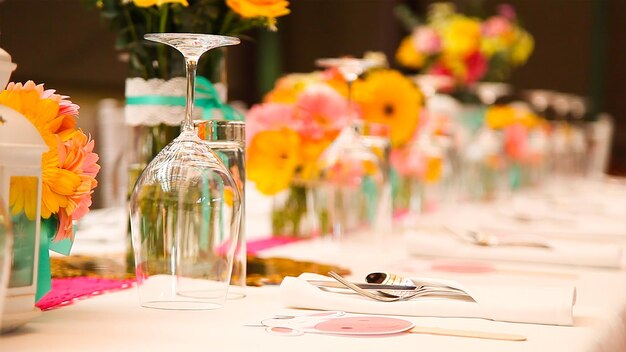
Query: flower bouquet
x=525 y=142
x=301 y=117
x=286 y=135
x=69 y=169
x=466 y=49
x=155 y=88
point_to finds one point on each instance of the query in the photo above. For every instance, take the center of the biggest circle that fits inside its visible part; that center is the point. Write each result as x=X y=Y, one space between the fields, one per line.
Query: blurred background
x=579 y=49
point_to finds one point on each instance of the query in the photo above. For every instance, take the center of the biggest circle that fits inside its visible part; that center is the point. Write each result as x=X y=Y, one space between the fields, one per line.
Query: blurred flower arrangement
x=525 y=141
x=131 y=19
x=69 y=167
x=302 y=116
x=467 y=49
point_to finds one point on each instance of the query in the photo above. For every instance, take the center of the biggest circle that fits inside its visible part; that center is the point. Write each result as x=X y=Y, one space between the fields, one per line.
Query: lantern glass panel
x=23 y=210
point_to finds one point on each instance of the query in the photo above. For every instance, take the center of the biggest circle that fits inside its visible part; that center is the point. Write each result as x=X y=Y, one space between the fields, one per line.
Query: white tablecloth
x=115 y=322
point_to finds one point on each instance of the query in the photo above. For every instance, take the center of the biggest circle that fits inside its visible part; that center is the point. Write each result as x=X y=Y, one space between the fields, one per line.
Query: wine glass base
x=181 y=305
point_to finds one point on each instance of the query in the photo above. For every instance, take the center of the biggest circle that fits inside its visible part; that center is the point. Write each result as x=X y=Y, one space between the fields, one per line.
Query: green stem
x=227 y=20
x=162 y=49
x=135 y=38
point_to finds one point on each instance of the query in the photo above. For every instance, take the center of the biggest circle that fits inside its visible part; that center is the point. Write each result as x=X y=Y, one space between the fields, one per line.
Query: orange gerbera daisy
x=387 y=97
x=69 y=167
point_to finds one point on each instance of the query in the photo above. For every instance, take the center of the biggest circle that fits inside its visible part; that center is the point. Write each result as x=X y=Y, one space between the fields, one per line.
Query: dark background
x=580 y=48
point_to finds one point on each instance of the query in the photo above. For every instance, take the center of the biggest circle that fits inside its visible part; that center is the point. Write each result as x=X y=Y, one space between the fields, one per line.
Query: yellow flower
x=22 y=196
x=272 y=159
x=434 y=166
x=388 y=97
x=259 y=8
x=57 y=185
x=310 y=153
x=522 y=48
x=500 y=116
x=530 y=120
x=408 y=56
x=461 y=35
x=148 y=3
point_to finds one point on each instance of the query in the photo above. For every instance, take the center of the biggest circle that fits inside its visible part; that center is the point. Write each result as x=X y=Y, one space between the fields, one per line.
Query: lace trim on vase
x=152 y=115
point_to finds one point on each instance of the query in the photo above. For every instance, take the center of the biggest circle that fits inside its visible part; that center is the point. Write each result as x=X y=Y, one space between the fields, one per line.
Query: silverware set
x=484 y=239
x=393 y=289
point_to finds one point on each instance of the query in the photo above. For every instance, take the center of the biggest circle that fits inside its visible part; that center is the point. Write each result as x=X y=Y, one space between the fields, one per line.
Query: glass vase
x=294 y=214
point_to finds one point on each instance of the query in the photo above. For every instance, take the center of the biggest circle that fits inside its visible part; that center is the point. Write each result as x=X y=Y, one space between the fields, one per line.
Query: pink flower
x=476 y=66
x=496 y=26
x=76 y=155
x=408 y=162
x=507 y=11
x=66 y=107
x=516 y=141
x=346 y=173
x=426 y=40
x=269 y=116
x=321 y=111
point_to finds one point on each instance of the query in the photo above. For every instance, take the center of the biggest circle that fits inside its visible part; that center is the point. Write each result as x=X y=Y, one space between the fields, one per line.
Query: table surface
x=115 y=321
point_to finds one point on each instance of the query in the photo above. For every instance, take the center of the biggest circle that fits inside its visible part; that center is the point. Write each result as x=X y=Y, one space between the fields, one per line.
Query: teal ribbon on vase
x=207 y=98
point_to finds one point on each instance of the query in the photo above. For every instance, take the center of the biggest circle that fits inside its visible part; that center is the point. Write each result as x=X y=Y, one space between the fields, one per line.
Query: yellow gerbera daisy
x=272 y=159
x=386 y=96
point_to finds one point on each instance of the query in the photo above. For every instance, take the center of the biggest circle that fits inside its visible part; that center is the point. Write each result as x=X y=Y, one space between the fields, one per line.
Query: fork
x=387 y=296
x=488 y=240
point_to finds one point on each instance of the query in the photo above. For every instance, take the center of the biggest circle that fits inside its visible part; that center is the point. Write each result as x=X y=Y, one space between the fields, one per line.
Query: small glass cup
x=228 y=140
x=377 y=137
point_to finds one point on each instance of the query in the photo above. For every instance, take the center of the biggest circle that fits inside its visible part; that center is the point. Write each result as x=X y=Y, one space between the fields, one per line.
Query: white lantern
x=21 y=149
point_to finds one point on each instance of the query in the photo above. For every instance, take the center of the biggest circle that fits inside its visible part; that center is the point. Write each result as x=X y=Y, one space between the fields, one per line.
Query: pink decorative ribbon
x=66 y=291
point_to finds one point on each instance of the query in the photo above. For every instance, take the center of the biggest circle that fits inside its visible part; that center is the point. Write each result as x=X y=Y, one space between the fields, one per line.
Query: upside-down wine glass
x=354 y=185
x=185 y=208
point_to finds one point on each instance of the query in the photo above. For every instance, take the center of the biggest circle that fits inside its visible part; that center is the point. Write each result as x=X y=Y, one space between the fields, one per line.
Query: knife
x=335 y=284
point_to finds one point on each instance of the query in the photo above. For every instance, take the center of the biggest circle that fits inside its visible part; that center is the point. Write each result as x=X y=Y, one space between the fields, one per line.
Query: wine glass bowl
x=185 y=209
x=353 y=179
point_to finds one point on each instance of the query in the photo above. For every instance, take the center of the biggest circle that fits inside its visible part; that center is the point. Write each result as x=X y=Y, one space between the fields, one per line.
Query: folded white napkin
x=561 y=251
x=518 y=304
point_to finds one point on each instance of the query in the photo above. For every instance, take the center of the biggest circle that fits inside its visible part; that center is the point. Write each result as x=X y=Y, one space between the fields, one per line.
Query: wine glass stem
x=191 y=65
x=350 y=103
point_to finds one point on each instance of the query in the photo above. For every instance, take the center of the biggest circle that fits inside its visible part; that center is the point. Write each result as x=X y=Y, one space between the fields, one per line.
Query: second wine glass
x=354 y=184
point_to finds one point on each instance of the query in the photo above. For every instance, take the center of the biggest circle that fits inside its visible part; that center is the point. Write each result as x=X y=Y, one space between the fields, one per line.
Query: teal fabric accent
x=371 y=194
x=62 y=247
x=394 y=178
x=515 y=176
x=206 y=98
x=44 y=276
x=473 y=117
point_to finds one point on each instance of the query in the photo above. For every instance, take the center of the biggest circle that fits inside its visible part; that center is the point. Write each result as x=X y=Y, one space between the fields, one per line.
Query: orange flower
x=148 y=3
x=408 y=56
x=69 y=167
